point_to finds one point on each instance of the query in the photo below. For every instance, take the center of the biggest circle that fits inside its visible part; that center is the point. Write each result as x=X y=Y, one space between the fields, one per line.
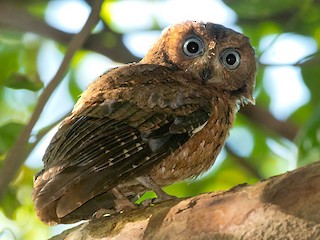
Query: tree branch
x=283 y=207
x=17 y=18
x=244 y=163
x=265 y=119
x=17 y=154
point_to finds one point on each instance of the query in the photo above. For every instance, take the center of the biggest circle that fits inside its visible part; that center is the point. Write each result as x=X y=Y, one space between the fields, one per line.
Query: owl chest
x=199 y=153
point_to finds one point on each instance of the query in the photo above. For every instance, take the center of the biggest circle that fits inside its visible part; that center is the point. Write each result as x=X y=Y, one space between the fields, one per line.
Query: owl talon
x=150 y=201
x=163 y=198
x=122 y=203
x=161 y=195
x=101 y=213
x=147 y=202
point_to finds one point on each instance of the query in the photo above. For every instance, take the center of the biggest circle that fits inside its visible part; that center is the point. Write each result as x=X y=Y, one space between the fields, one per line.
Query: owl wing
x=125 y=123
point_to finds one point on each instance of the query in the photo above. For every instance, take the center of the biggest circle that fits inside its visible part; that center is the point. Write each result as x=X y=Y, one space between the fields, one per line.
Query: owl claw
x=101 y=213
x=124 y=205
x=151 y=201
x=162 y=198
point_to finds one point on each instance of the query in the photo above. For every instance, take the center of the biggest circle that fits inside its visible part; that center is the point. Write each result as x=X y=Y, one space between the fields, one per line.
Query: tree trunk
x=283 y=207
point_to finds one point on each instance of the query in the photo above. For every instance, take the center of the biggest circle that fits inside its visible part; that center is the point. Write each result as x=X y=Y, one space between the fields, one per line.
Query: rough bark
x=283 y=207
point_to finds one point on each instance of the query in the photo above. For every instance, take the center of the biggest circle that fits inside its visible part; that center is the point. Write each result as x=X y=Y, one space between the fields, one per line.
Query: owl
x=146 y=125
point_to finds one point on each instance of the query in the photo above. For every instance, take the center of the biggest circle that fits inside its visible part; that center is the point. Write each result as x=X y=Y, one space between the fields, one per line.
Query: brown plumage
x=147 y=125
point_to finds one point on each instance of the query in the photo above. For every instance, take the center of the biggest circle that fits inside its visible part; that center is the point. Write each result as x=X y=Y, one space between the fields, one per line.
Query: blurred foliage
x=19 y=61
x=20 y=84
x=8 y=134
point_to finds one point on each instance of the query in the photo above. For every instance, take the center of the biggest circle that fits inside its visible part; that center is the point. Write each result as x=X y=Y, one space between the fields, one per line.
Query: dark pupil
x=193 y=47
x=231 y=59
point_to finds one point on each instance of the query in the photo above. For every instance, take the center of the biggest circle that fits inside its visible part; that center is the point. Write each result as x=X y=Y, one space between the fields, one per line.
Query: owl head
x=222 y=58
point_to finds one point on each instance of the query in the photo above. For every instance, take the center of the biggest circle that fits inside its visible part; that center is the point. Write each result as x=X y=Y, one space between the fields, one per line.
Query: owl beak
x=247 y=97
x=205 y=75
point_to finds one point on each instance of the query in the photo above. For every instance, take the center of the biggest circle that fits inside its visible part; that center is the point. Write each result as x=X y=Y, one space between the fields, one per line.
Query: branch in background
x=18 y=18
x=244 y=163
x=17 y=154
x=265 y=119
x=309 y=60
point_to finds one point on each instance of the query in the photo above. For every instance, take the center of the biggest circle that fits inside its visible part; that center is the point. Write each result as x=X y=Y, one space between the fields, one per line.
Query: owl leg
x=122 y=203
x=149 y=183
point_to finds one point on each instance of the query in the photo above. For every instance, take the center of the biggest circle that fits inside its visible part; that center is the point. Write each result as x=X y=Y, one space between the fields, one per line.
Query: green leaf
x=74 y=88
x=9 y=202
x=261 y=8
x=10 y=46
x=262 y=97
x=301 y=115
x=310 y=72
x=308 y=139
x=8 y=134
x=30 y=82
x=259 y=30
x=18 y=57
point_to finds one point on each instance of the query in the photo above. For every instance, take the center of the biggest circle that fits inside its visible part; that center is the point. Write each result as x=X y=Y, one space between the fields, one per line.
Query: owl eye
x=193 y=47
x=230 y=59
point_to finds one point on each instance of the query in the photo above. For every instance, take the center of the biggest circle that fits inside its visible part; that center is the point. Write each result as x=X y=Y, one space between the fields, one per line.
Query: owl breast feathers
x=147 y=125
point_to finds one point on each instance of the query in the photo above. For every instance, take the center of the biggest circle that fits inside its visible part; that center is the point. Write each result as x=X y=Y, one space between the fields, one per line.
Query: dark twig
x=265 y=119
x=244 y=163
x=17 y=154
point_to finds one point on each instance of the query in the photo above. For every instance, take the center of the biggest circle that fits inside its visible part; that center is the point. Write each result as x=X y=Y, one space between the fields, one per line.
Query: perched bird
x=146 y=125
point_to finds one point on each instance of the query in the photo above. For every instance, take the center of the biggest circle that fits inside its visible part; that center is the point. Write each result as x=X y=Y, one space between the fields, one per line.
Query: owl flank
x=144 y=126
